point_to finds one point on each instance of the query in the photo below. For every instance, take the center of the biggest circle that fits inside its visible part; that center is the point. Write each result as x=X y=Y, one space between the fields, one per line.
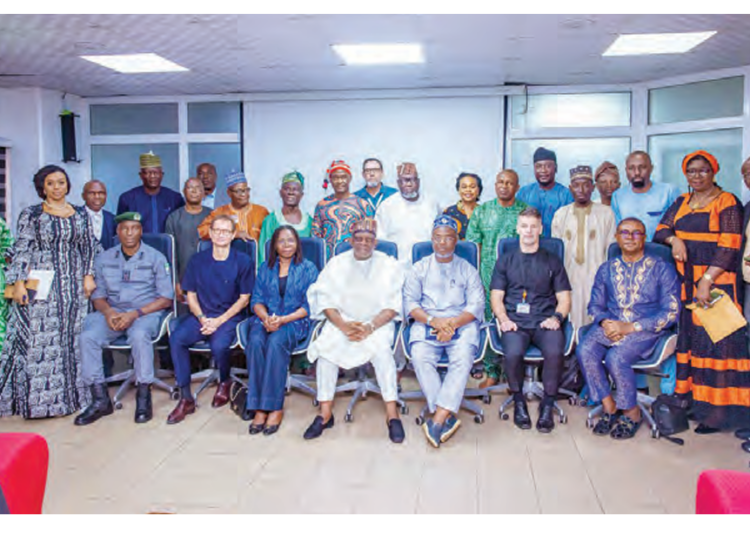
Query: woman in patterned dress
x=6 y=241
x=40 y=372
x=469 y=188
x=704 y=230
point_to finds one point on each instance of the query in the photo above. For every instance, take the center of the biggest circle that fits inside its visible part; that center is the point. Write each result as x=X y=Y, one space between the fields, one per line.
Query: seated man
x=530 y=295
x=359 y=293
x=218 y=283
x=444 y=292
x=133 y=283
x=635 y=297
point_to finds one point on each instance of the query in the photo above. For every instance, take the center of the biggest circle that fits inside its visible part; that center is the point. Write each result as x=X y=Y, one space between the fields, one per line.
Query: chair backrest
x=248 y=247
x=653 y=249
x=553 y=245
x=164 y=244
x=313 y=249
x=464 y=249
x=383 y=246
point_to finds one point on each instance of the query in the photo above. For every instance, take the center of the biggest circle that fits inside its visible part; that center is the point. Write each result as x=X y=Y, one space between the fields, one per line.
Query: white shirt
x=407 y=222
x=97 y=222
x=209 y=200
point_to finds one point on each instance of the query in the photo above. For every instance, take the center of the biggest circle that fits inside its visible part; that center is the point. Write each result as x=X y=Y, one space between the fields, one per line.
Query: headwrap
x=407 y=168
x=149 y=160
x=365 y=225
x=581 y=172
x=708 y=156
x=606 y=167
x=544 y=154
x=339 y=165
x=445 y=221
x=128 y=216
x=293 y=176
x=235 y=177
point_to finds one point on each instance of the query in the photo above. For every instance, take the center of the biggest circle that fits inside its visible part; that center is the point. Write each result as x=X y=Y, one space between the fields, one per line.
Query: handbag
x=671 y=416
x=237 y=398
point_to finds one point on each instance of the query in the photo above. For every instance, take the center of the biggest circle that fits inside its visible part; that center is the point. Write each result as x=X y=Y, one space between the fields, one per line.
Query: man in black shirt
x=530 y=297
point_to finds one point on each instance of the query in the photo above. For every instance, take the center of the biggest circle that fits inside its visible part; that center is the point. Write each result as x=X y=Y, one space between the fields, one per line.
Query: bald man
x=102 y=221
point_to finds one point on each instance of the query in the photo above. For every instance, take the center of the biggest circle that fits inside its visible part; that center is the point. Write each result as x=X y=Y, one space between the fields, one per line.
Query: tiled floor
x=209 y=464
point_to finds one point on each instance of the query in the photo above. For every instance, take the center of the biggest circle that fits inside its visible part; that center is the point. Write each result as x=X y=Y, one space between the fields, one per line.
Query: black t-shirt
x=541 y=274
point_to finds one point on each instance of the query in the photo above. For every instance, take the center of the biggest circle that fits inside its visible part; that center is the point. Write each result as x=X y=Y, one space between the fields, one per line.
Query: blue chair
x=532 y=387
x=469 y=252
x=650 y=364
x=211 y=374
x=362 y=384
x=163 y=243
x=314 y=250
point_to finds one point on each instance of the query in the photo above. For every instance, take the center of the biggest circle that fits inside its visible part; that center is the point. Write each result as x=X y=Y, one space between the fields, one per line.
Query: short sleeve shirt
x=218 y=284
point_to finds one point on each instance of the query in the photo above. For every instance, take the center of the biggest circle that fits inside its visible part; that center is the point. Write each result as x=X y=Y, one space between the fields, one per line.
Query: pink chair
x=723 y=492
x=24 y=459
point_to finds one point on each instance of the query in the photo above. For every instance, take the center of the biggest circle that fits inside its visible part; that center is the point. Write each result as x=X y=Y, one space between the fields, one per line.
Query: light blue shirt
x=649 y=207
x=545 y=201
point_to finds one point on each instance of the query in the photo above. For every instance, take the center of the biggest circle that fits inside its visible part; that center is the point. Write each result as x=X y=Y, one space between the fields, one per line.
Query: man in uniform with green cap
x=291 y=192
x=152 y=201
x=133 y=286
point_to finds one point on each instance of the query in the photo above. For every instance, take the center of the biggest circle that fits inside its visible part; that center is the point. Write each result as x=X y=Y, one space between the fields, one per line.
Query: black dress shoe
x=143 y=409
x=521 y=415
x=272 y=429
x=256 y=428
x=317 y=427
x=702 y=429
x=746 y=446
x=742 y=433
x=100 y=406
x=396 y=431
x=546 y=422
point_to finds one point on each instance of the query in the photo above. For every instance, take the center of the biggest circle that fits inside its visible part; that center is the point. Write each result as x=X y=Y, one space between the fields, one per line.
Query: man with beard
x=645 y=200
x=291 y=192
x=374 y=191
x=545 y=194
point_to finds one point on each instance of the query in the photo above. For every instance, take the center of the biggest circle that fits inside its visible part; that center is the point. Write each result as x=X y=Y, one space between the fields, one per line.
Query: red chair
x=723 y=492
x=24 y=459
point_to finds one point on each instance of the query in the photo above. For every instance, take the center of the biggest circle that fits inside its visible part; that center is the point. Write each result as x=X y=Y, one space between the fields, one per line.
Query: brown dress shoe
x=184 y=408
x=221 y=398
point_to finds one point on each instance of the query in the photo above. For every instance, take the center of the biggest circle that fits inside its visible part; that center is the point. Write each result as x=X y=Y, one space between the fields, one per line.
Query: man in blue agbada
x=546 y=195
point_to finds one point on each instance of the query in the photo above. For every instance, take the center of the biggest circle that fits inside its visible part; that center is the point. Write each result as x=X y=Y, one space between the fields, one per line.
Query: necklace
x=695 y=204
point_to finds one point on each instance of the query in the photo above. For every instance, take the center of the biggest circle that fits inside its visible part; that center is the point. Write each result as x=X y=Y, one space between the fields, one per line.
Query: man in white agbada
x=444 y=294
x=587 y=229
x=407 y=218
x=359 y=294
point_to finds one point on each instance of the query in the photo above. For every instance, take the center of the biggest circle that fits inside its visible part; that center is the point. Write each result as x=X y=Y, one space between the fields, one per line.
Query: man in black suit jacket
x=103 y=221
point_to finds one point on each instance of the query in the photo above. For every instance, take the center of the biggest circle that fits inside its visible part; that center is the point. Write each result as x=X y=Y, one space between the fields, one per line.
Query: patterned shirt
x=333 y=217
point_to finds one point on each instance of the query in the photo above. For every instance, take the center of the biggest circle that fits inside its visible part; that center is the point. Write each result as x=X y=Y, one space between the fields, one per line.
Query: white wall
x=29 y=119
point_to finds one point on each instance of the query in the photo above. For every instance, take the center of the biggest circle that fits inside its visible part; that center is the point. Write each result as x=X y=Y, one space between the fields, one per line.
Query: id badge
x=523 y=308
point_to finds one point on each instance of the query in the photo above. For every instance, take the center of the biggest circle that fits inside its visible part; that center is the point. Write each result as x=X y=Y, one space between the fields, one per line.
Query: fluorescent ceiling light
x=136 y=63
x=668 y=43
x=380 y=54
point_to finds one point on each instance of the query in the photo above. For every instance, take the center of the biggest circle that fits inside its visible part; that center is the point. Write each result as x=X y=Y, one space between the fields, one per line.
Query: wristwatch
x=559 y=316
x=371 y=325
x=708 y=277
x=637 y=326
x=429 y=320
x=201 y=316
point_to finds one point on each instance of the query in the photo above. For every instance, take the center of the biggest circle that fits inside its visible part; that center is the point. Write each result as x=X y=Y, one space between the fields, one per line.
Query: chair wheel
x=419 y=420
x=479 y=419
x=118 y=405
x=174 y=394
x=504 y=416
x=563 y=419
x=572 y=401
x=589 y=423
x=315 y=402
x=655 y=433
x=487 y=399
x=404 y=410
x=348 y=417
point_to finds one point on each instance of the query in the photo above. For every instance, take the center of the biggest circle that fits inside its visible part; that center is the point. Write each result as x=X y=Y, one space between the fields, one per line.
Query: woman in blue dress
x=281 y=321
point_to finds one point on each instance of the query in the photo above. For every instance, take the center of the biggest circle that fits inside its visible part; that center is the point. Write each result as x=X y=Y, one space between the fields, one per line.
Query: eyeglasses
x=695 y=172
x=239 y=191
x=221 y=232
x=625 y=233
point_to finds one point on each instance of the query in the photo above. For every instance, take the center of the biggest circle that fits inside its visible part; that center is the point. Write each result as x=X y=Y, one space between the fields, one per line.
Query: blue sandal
x=606 y=423
x=626 y=428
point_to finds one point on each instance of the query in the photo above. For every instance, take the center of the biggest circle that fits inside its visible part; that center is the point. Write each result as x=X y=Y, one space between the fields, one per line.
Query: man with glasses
x=635 y=297
x=407 y=218
x=645 y=200
x=374 y=191
x=218 y=282
x=248 y=217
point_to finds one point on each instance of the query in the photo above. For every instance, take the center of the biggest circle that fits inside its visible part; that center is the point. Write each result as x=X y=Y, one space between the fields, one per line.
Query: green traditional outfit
x=6 y=241
x=489 y=224
x=275 y=220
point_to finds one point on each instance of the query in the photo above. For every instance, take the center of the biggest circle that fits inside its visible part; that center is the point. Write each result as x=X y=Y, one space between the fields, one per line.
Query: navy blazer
x=109 y=230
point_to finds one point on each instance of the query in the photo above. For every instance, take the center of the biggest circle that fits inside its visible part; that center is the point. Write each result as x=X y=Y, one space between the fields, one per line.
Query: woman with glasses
x=282 y=319
x=469 y=188
x=704 y=230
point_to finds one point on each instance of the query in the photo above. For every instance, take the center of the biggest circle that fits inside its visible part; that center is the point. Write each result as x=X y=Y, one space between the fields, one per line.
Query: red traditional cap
x=708 y=156
x=338 y=165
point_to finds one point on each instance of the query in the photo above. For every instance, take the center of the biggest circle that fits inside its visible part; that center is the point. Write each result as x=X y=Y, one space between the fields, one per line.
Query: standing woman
x=6 y=241
x=469 y=188
x=40 y=372
x=607 y=180
x=282 y=319
x=704 y=230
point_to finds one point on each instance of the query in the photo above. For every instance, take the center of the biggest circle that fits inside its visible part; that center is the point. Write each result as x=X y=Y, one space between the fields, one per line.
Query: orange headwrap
x=708 y=156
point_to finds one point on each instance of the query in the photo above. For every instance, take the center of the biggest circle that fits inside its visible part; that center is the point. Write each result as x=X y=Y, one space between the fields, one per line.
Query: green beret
x=128 y=216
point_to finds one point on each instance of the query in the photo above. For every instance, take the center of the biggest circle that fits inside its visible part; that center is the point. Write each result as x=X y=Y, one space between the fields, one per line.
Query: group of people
x=51 y=360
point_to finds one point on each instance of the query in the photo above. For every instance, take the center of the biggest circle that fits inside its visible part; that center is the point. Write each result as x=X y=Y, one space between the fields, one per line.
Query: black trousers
x=552 y=345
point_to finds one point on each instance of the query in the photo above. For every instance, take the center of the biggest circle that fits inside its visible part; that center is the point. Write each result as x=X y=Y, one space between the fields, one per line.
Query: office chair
x=532 y=387
x=469 y=252
x=362 y=384
x=314 y=250
x=651 y=363
x=211 y=374
x=164 y=244
x=24 y=462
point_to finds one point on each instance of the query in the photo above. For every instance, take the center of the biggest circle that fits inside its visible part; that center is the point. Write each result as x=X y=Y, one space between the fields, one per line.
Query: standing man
x=292 y=190
x=133 y=283
x=645 y=200
x=531 y=299
x=587 y=229
x=102 y=221
x=152 y=201
x=335 y=214
x=247 y=216
x=374 y=191
x=214 y=196
x=183 y=224
x=444 y=294
x=545 y=195
x=407 y=218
